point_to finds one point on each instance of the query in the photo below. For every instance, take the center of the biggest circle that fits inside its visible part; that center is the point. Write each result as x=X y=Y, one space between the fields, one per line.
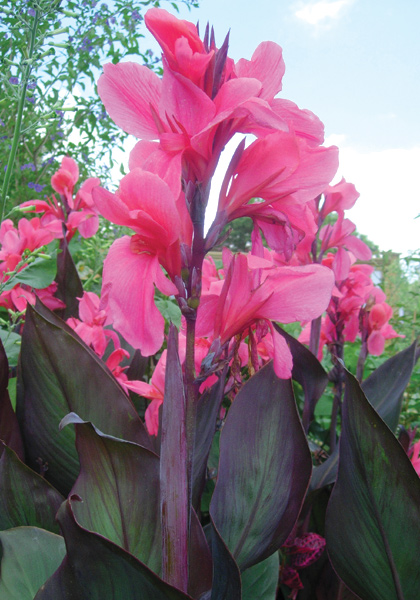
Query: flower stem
x=16 y=136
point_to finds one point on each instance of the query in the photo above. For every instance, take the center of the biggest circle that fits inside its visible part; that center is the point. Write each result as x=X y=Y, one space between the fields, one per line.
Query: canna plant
x=200 y=483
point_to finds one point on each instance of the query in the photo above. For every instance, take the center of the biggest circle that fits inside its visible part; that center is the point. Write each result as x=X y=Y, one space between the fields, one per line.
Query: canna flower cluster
x=184 y=120
x=67 y=215
x=59 y=218
x=357 y=307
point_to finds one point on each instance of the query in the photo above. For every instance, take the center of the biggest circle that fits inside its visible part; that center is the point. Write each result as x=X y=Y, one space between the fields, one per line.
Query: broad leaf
x=69 y=286
x=264 y=469
x=26 y=497
x=261 y=580
x=385 y=386
x=95 y=568
x=58 y=375
x=373 y=517
x=208 y=407
x=308 y=371
x=9 y=427
x=226 y=575
x=29 y=557
x=119 y=486
x=11 y=342
x=325 y=473
x=175 y=501
x=384 y=389
x=38 y=274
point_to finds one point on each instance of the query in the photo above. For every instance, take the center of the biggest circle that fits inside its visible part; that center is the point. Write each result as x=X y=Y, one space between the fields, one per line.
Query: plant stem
x=361 y=361
x=21 y=104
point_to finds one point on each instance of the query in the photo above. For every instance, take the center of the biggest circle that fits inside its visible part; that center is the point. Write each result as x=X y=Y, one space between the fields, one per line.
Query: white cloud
x=389 y=193
x=315 y=13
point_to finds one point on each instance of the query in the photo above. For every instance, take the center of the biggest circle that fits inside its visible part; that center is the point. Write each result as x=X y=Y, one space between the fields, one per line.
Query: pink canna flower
x=339 y=197
x=75 y=214
x=253 y=290
x=379 y=328
x=91 y=325
x=274 y=168
x=146 y=204
x=64 y=180
x=202 y=100
x=182 y=47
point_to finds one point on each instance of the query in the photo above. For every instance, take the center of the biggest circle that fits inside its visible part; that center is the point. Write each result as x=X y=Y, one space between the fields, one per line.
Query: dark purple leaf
x=60 y=374
x=69 y=286
x=385 y=386
x=226 y=575
x=174 y=497
x=119 y=486
x=264 y=469
x=9 y=427
x=95 y=568
x=26 y=498
x=373 y=517
x=308 y=371
x=208 y=407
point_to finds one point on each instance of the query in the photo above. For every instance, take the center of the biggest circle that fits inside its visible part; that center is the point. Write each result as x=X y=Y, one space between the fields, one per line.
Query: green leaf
x=38 y=275
x=11 y=342
x=264 y=469
x=373 y=517
x=9 y=427
x=26 y=498
x=169 y=310
x=29 y=557
x=260 y=581
x=60 y=374
x=95 y=568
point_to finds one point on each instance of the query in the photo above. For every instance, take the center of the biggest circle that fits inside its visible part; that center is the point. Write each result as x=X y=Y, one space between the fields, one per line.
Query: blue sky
x=356 y=64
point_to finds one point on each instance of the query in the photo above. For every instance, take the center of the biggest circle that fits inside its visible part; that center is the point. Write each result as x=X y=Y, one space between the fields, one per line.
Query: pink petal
x=339 y=197
x=185 y=103
x=150 y=157
x=282 y=359
x=303 y=122
x=127 y=91
x=298 y=293
x=130 y=279
x=151 y=417
x=376 y=343
x=266 y=65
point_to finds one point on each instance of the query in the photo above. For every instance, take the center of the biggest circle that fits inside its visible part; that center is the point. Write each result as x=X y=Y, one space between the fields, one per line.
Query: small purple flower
x=31 y=12
x=31 y=85
x=2 y=123
x=14 y=80
x=136 y=15
x=31 y=100
x=36 y=186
